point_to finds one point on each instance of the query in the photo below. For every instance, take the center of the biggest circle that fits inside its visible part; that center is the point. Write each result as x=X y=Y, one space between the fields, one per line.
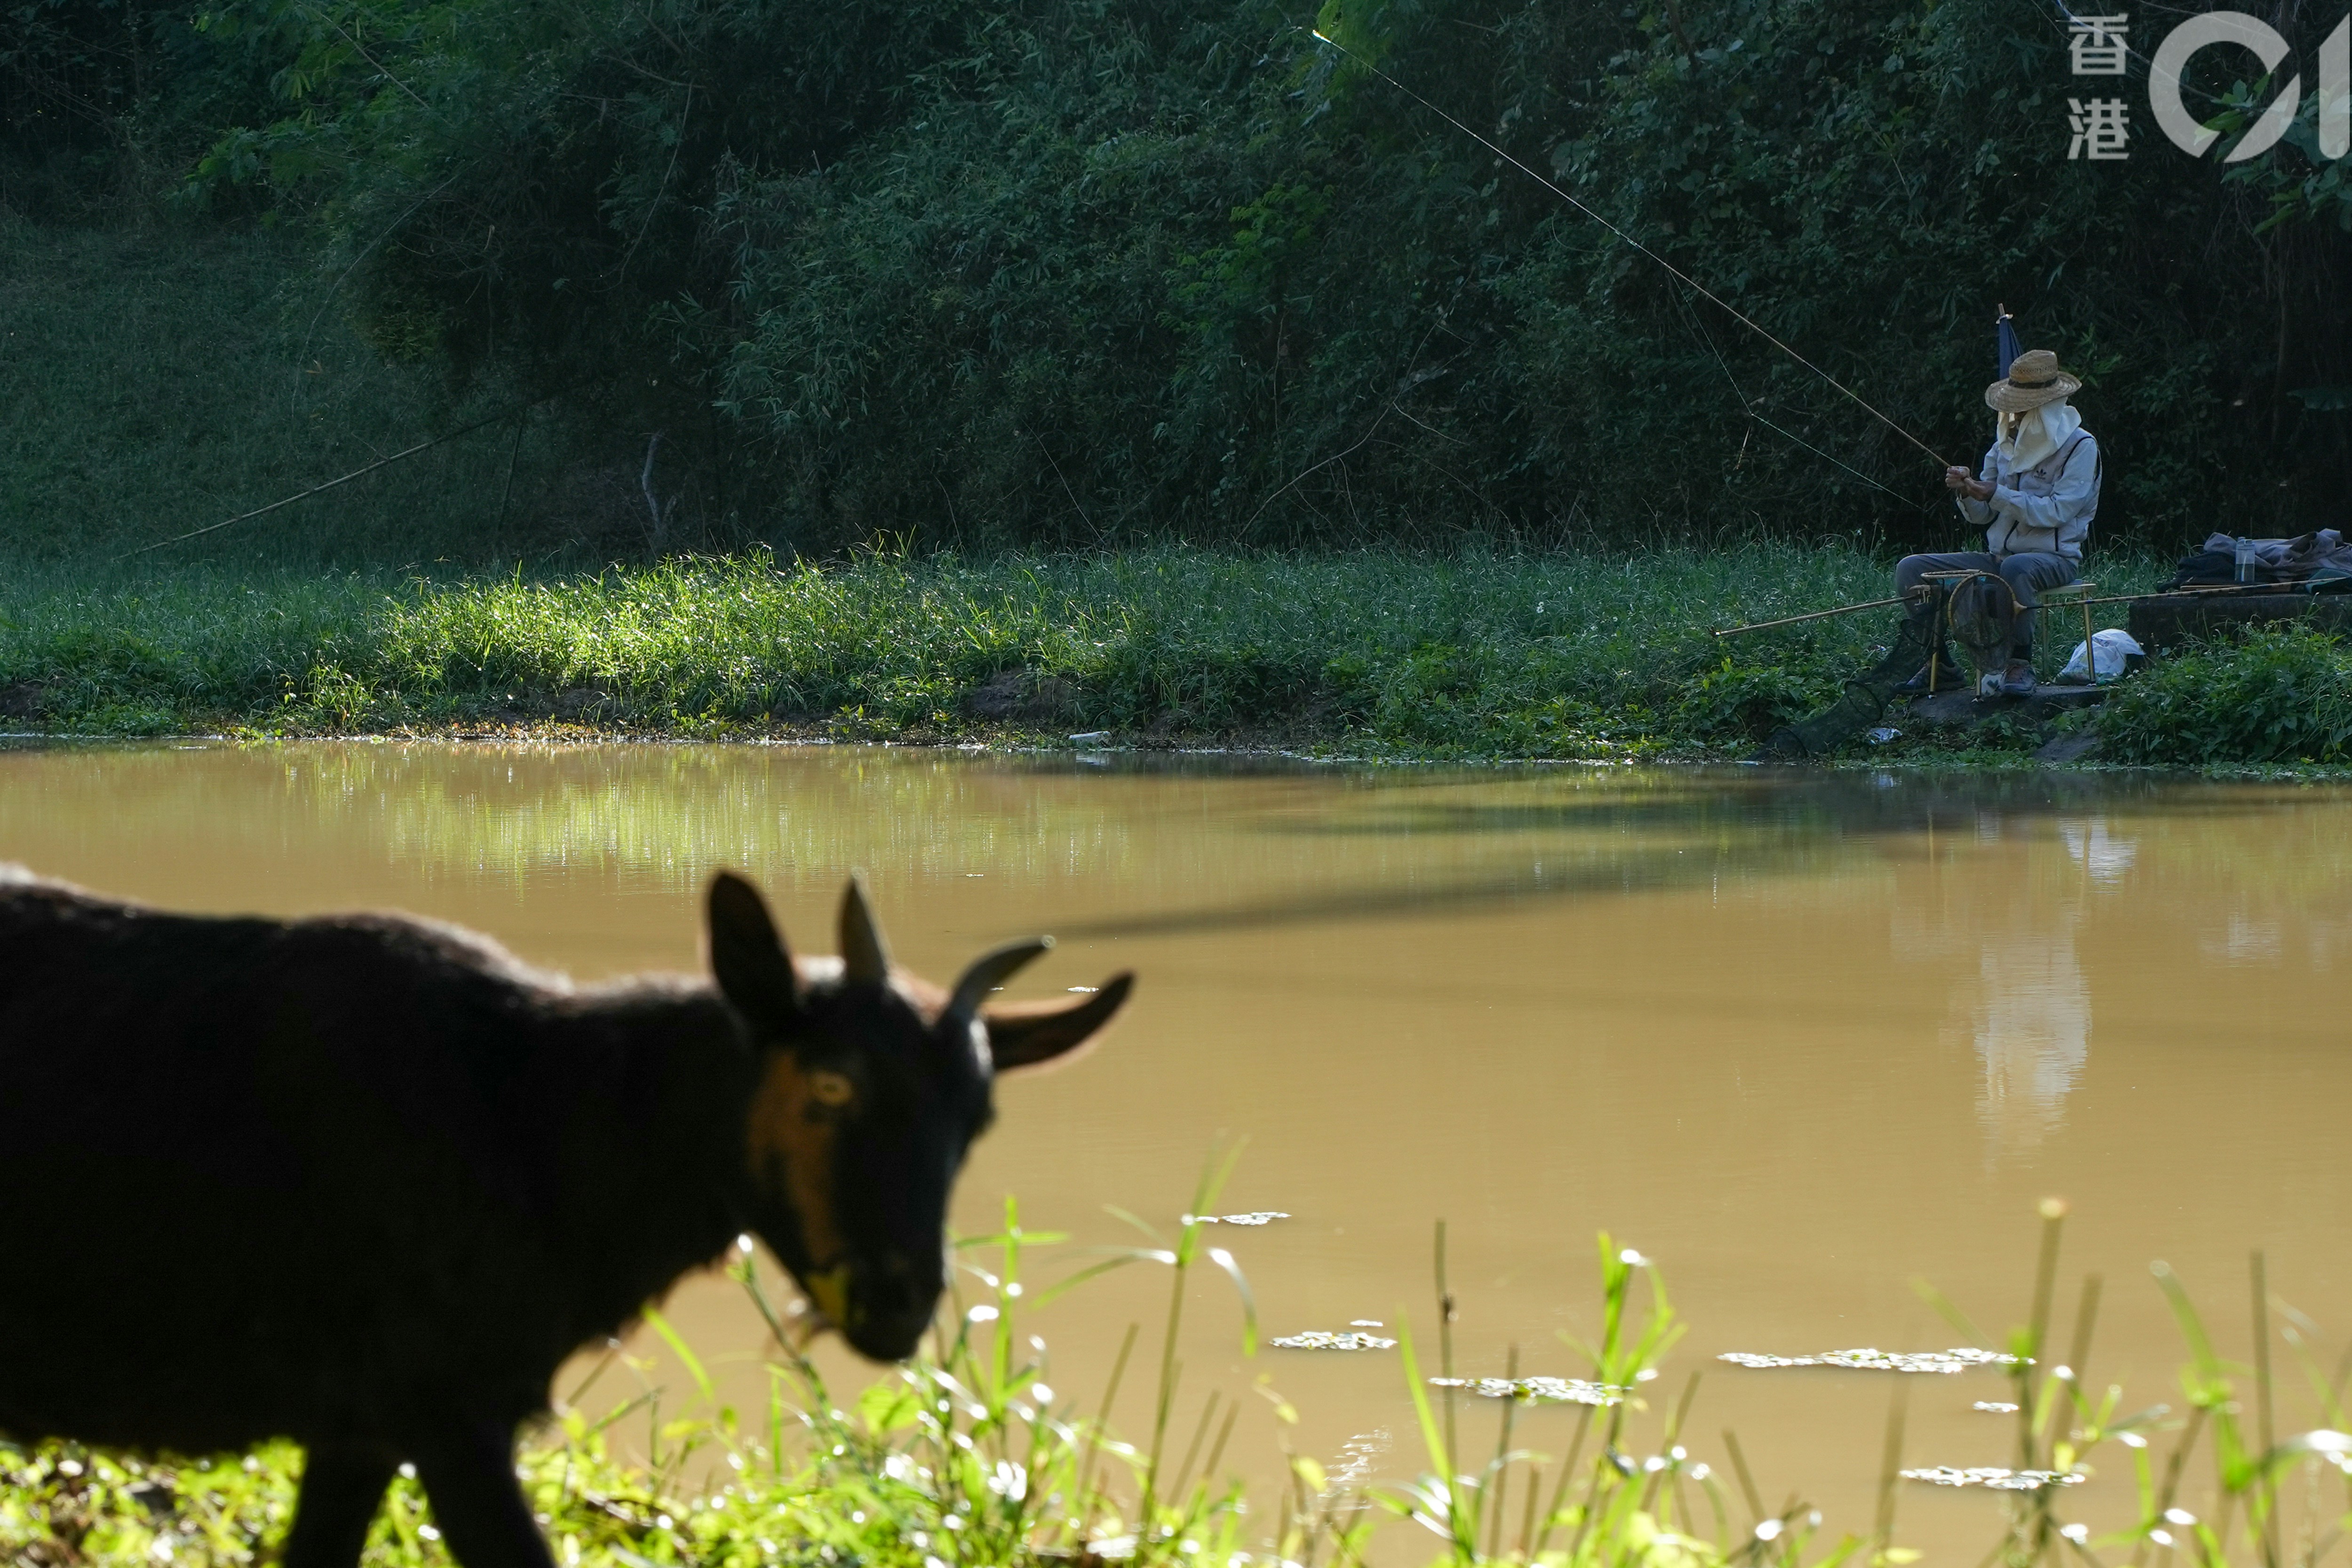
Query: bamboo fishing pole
x=2212 y=590
x=2244 y=590
x=1815 y=616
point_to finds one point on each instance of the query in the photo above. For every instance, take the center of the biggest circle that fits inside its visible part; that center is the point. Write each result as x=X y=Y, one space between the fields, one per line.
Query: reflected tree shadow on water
x=1645 y=871
x=1739 y=826
x=1852 y=806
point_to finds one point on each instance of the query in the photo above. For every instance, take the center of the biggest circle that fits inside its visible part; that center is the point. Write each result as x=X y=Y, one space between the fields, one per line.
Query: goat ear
x=1031 y=1034
x=748 y=956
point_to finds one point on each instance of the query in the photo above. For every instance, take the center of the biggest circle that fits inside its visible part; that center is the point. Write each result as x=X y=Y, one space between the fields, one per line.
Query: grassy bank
x=1536 y=656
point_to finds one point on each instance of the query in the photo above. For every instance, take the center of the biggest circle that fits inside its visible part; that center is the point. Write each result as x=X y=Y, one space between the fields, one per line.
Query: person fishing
x=2035 y=498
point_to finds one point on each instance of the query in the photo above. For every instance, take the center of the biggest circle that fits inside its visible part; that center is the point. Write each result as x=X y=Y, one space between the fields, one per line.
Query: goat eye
x=830 y=1088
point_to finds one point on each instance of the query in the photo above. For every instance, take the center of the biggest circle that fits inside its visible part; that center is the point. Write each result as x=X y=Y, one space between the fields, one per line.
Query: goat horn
x=864 y=957
x=991 y=970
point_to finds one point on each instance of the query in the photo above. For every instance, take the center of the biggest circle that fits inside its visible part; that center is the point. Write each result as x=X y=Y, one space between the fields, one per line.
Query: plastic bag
x=2113 y=648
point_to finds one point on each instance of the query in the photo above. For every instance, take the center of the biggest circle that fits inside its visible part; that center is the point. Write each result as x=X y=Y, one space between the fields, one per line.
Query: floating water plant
x=1867 y=1360
x=1998 y=1478
x=1536 y=1390
x=1324 y=1340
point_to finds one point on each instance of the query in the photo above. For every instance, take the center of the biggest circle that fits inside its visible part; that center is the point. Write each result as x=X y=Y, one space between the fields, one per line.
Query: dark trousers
x=2027 y=574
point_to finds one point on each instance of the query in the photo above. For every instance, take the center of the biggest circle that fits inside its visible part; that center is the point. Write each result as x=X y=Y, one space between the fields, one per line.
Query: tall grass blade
x=2265 y=1422
x=1445 y=1348
x=1225 y=1261
x=1497 y=1471
x=686 y=1356
x=1459 y=1523
x=1890 y=1470
x=1083 y=1502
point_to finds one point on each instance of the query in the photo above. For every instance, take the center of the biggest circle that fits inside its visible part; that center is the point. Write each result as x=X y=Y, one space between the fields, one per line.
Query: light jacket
x=2048 y=507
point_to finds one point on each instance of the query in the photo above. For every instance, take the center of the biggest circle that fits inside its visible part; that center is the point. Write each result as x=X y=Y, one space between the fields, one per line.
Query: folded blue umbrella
x=2005 y=350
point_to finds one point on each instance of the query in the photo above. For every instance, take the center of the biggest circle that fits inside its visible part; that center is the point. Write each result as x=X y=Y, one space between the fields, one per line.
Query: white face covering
x=2029 y=438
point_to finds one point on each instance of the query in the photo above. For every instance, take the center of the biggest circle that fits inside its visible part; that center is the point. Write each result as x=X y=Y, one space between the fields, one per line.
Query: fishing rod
x=1710 y=295
x=331 y=484
x=2212 y=591
x=1815 y=616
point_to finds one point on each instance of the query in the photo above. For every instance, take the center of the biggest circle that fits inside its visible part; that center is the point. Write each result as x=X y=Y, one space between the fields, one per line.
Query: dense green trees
x=1078 y=270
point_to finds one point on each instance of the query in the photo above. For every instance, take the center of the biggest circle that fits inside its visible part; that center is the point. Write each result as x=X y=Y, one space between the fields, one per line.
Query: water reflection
x=2022 y=1004
x=2032 y=1032
x=2104 y=853
x=2032 y=1018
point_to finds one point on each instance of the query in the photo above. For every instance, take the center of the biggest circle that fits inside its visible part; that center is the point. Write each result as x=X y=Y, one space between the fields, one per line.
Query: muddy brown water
x=1804 y=1040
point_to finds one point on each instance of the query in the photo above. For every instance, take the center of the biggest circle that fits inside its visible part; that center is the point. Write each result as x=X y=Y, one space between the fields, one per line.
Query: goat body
x=411 y=1175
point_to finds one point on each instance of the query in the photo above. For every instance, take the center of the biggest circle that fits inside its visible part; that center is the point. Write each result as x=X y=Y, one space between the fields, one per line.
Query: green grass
x=1377 y=652
x=965 y=1458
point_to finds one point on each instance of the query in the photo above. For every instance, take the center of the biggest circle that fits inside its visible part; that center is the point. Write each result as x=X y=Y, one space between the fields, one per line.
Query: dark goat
x=416 y=1175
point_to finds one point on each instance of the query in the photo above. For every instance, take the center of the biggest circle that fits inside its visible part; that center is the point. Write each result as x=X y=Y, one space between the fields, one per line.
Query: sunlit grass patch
x=1368 y=653
x=1373 y=651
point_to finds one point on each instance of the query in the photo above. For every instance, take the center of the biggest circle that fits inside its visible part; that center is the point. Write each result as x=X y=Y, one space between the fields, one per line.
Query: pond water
x=1803 y=1040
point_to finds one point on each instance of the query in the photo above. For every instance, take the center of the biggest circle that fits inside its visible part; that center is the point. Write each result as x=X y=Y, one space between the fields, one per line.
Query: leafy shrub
x=1736 y=702
x=2281 y=694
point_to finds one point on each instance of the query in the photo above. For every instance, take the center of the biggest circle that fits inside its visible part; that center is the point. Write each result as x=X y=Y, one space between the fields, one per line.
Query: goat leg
x=468 y=1476
x=343 y=1483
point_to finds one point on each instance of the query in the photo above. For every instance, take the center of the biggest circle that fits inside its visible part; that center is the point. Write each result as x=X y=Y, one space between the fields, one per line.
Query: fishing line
x=1732 y=310
x=331 y=484
x=1748 y=408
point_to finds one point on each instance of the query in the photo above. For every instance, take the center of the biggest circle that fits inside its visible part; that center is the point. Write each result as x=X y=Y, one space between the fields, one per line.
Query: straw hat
x=2033 y=380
